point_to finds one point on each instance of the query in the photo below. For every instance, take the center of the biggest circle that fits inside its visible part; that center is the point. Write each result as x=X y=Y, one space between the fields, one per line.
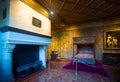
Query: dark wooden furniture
x=54 y=55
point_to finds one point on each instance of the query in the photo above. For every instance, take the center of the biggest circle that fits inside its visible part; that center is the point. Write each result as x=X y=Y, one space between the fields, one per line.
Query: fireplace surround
x=16 y=42
x=22 y=44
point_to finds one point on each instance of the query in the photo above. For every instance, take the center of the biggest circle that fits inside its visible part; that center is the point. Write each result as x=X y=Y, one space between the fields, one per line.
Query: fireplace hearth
x=25 y=59
x=27 y=69
x=111 y=59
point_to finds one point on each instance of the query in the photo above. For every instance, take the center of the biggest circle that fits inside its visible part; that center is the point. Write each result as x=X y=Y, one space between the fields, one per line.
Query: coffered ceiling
x=81 y=11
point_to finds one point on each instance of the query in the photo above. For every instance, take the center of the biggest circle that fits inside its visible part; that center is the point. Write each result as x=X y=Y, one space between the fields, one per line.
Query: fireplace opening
x=25 y=60
x=111 y=59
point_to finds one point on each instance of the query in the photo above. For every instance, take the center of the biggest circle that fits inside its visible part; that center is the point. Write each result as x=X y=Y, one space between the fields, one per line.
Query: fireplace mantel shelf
x=13 y=29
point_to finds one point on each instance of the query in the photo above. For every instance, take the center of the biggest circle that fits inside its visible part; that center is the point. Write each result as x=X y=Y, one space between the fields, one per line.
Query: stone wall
x=63 y=43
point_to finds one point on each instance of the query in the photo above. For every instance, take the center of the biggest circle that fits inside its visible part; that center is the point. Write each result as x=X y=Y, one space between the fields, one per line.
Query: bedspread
x=86 y=58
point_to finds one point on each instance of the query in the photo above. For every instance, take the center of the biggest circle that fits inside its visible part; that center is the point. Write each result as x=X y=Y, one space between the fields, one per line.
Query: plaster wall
x=19 y=15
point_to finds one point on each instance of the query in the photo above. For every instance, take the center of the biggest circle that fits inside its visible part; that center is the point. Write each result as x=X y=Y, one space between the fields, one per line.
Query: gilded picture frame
x=112 y=39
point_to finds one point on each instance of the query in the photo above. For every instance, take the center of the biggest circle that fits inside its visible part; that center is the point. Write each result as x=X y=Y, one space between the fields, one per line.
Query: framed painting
x=112 y=39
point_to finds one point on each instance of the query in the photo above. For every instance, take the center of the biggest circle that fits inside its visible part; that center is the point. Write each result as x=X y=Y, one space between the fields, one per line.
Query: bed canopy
x=84 y=49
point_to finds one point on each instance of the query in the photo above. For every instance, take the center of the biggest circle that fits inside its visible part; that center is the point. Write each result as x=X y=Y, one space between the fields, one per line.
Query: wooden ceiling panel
x=84 y=2
x=115 y=12
x=81 y=11
x=57 y=4
x=71 y=1
x=113 y=9
x=85 y=6
x=87 y=11
x=68 y=6
x=77 y=8
x=113 y=1
x=95 y=3
x=104 y=6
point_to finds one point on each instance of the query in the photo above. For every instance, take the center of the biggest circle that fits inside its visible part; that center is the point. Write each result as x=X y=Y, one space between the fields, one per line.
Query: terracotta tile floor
x=55 y=73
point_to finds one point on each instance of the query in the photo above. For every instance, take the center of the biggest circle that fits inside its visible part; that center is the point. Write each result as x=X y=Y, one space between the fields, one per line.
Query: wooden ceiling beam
x=98 y=6
x=75 y=4
x=112 y=5
x=111 y=14
x=115 y=3
x=105 y=9
x=115 y=11
x=80 y=11
x=51 y=3
x=62 y=4
x=86 y=5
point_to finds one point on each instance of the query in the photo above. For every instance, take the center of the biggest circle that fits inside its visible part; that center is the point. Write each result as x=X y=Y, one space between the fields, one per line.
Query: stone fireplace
x=22 y=44
x=20 y=51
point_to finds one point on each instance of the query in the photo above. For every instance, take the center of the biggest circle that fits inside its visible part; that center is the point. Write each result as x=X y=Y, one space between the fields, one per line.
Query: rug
x=98 y=68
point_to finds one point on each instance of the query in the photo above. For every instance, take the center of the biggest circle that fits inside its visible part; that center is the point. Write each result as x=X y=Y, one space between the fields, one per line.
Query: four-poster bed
x=84 y=50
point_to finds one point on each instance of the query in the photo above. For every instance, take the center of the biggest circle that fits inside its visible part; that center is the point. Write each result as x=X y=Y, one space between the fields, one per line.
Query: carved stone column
x=6 y=62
